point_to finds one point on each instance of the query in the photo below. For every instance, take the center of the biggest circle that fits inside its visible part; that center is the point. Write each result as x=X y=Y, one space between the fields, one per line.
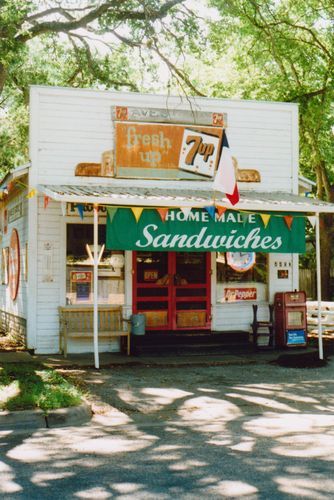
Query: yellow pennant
x=137 y=211
x=31 y=193
x=265 y=219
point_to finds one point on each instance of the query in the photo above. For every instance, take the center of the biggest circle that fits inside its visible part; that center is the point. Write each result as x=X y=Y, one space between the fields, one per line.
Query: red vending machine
x=290 y=319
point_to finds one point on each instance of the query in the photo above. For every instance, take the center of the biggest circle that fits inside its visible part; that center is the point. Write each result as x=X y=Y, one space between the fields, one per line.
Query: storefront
x=122 y=209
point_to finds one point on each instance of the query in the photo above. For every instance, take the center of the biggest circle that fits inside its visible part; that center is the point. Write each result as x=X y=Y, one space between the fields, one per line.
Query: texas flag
x=225 y=178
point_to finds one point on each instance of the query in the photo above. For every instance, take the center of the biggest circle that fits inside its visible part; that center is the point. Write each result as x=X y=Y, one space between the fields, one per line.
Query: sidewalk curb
x=75 y=415
x=36 y=419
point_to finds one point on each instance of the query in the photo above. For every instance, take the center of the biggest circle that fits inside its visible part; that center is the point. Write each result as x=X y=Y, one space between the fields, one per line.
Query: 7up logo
x=199 y=152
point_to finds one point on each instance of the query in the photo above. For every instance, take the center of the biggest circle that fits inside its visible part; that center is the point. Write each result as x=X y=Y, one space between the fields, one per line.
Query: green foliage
x=30 y=386
x=282 y=51
x=96 y=44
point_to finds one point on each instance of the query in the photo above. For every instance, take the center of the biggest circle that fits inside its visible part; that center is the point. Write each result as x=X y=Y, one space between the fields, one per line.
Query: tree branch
x=107 y=7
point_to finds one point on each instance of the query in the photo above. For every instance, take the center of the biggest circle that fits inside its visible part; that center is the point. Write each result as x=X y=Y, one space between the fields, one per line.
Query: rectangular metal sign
x=163 y=151
x=237 y=294
x=165 y=115
x=199 y=232
x=295 y=337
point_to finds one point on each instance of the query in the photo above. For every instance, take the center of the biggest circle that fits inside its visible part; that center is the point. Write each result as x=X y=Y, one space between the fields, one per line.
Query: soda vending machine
x=290 y=319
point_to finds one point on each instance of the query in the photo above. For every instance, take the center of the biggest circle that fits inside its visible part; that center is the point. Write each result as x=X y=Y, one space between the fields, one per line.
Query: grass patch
x=25 y=386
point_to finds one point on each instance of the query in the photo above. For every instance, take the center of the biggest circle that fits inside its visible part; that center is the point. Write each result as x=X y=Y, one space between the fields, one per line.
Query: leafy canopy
x=115 y=44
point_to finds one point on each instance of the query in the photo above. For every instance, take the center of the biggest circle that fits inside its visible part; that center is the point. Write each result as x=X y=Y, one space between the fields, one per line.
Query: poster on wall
x=14 y=264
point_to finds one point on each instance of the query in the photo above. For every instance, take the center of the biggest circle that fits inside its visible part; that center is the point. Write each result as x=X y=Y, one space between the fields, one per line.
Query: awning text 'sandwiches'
x=198 y=232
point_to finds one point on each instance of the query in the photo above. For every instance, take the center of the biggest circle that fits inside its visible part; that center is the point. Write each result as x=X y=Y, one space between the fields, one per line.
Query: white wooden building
x=71 y=127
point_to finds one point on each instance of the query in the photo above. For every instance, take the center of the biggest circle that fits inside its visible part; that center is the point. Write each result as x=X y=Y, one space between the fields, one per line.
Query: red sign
x=81 y=276
x=235 y=294
x=151 y=275
x=14 y=264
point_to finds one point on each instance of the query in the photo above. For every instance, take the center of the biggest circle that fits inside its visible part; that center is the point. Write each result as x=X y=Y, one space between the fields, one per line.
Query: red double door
x=172 y=289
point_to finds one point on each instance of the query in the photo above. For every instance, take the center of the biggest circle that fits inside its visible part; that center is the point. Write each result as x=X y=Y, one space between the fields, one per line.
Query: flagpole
x=317 y=251
x=95 y=294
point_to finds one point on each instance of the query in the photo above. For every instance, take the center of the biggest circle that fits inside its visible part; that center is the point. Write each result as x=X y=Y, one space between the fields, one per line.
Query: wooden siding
x=75 y=126
x=69 y=126
x=18 y=307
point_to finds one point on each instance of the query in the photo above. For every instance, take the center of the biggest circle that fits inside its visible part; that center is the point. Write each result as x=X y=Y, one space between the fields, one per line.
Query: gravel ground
x=256 y=431
x=254 y=389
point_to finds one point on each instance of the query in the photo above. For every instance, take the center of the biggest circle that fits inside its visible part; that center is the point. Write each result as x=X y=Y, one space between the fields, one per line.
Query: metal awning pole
x=95 y=295
x=317 y=249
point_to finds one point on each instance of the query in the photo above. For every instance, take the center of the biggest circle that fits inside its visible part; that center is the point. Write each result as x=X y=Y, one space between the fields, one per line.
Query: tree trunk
x=326 y=245
x=3 y=75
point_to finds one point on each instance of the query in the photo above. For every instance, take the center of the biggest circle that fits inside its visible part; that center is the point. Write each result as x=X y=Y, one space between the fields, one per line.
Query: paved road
x=256 y=431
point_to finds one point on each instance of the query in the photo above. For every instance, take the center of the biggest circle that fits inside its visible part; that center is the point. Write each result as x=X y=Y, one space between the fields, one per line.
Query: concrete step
x=190 y=344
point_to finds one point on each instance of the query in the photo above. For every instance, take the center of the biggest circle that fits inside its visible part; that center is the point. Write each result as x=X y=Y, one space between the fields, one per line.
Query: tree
x=284 y=50
x=88 y=43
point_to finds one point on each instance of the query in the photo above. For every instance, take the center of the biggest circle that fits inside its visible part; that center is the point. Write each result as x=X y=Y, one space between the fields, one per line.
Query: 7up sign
x=199 y=152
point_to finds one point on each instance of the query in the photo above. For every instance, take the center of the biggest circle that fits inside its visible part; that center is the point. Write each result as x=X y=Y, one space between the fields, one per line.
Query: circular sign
x=241 y=261
x=14 y=264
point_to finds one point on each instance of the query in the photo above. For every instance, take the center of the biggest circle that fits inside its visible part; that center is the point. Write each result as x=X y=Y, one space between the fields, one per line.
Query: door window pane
x=190 y=268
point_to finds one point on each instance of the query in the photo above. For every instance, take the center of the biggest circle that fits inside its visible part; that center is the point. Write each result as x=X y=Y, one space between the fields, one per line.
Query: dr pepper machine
x=290 y=319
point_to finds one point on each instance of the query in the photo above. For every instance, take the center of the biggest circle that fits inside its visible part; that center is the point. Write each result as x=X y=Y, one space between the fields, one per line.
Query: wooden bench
x=326 y=317
x=77 y=322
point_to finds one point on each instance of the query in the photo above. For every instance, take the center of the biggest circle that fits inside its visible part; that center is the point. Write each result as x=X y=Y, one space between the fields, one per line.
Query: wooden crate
x=156 y=318
x=186 y=319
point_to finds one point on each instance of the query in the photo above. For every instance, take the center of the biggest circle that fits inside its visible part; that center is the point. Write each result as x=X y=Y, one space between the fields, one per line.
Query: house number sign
x=14 y=264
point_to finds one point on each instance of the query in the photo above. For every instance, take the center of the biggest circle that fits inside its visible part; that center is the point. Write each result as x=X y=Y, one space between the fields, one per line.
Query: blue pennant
x=211 y=211
x=80 y=208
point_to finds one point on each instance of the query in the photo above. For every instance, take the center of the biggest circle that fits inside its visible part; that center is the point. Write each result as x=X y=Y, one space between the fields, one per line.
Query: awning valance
x=181 y=196
x=199 y=231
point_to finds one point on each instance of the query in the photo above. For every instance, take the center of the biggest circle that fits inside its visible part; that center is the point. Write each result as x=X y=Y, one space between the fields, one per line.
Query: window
x=237 y=285
x=79 y=268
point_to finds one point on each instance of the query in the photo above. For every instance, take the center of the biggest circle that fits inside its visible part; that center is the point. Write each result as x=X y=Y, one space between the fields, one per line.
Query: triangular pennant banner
x=31 y=193
x=111 y=213
x=288 y=220
x=46 y=201
x=63 y=208
x=163 y=213
x=80 y=208
x=211 y=211
x=137 y=211
x=265 y=219
x=221 y=210
x=312 y=220
x=186 y=211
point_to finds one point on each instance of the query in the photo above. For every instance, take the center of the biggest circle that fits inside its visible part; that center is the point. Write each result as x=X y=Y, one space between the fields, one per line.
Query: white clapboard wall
x=18 y=307
x=70 y=126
